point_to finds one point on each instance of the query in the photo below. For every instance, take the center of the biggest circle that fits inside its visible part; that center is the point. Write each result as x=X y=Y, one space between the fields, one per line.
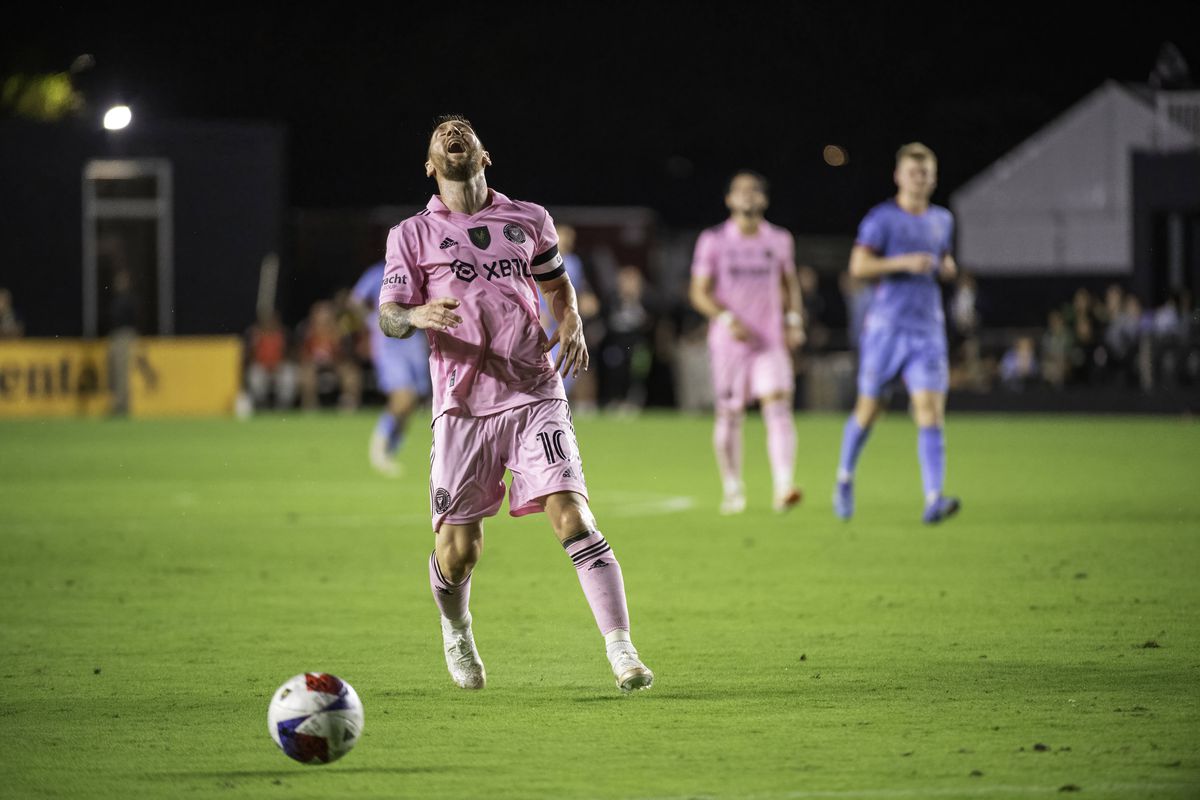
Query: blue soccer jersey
x=903 y=301
x=399 y=363
x=366 y=291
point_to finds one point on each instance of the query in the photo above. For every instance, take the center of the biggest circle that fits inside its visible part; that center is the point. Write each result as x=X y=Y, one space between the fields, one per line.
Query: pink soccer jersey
x=747 y=273
x=489 y=261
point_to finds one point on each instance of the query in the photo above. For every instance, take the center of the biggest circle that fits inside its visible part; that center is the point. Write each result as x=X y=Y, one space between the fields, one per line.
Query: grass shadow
x=295 y=772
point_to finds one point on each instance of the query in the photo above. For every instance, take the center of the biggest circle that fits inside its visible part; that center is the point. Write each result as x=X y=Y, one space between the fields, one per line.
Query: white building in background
x=1061 y=202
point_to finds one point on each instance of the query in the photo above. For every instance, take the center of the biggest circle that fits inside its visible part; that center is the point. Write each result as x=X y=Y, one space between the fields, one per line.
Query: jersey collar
x=732 y=229
x=436 y=205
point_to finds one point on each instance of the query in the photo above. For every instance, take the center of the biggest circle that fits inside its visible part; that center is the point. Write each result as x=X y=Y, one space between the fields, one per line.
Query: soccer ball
x=315 y=718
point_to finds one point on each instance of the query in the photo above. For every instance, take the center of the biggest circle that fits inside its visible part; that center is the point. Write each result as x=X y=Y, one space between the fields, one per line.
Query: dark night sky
x=619 y=103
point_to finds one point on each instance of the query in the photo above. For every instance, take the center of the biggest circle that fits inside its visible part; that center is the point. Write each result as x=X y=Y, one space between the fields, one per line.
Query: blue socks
x=853 y=439
x=391 y=429
x=931 y=450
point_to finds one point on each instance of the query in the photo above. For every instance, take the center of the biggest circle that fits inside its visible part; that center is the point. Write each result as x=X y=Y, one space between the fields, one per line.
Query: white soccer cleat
x=733 y=503
x=631 y=674
x=462 y=659
x=381 y=460
x=788 y=500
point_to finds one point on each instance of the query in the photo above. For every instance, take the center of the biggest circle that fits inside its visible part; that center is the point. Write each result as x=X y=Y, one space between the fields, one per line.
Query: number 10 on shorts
x=552 y=445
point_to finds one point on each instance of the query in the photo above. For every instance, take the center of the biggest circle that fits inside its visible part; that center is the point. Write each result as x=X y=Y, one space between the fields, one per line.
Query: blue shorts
x=920 y=358
x=401 y=363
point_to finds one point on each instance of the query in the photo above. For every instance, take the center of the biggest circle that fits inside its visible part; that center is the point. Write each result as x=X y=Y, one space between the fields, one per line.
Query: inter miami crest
x=481 y=237
x=441 y=500
x=513 y=233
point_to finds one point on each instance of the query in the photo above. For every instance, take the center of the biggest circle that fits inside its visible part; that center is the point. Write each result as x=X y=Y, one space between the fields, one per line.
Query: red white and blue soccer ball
x=315 y=718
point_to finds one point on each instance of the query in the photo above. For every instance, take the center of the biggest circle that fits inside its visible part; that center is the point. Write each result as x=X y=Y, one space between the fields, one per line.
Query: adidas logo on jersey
x=447 y=242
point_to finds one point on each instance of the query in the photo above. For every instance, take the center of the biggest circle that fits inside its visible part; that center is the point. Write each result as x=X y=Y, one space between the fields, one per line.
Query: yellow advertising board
x=186 y=376
x=181 y=376
x=53 y=377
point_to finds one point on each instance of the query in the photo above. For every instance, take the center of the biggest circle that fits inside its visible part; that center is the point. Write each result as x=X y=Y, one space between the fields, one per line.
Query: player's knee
x=730 y=414
x=402 y=403
x=931 y=419
x=777 y=398
x=457 y=560
x=929 y=410
x=926 y=417
x=458 y=552
x=569 y=514
x=866 y=411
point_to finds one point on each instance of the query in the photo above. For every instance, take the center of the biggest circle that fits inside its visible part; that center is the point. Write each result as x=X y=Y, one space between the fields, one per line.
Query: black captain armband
x=548 y=265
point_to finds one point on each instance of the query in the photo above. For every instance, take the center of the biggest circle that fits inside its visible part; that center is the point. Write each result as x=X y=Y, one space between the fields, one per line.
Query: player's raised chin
x=455 y=153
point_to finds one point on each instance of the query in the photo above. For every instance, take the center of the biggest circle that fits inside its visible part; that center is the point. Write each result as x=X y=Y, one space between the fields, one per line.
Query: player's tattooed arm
x=399 y=322
x=563 y=304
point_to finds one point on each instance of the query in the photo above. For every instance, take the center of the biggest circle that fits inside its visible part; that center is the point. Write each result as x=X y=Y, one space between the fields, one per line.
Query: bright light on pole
x=117 y=117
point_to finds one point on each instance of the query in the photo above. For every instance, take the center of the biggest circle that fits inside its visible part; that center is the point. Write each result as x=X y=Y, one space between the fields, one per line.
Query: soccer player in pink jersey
x=744 y=280
x=467 y=270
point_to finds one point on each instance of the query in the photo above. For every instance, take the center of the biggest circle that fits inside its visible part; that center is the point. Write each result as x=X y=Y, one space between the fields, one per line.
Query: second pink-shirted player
x=744 y=280
x=467 y=270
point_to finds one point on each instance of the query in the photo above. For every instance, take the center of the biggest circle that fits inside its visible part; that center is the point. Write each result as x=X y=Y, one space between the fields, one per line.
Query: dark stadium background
x=582 y=105
x=614 y=104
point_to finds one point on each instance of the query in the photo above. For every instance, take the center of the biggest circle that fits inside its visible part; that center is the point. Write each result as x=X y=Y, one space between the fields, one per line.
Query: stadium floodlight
x=835 y=155
x=117 y=118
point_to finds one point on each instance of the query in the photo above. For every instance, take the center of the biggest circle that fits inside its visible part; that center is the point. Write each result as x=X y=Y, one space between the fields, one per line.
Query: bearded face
x=455 y=152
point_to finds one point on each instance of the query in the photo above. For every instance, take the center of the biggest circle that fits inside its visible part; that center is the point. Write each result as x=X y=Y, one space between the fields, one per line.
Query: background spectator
x=1057 y=345
x=122 y=338
x=11 y=326
x=1019 y=367
x=326 y=363
x=625 y=353
x=817 y=328
x=270 y=372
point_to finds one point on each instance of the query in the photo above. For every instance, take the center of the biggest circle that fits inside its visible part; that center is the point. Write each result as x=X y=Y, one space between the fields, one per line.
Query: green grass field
x=160 y=579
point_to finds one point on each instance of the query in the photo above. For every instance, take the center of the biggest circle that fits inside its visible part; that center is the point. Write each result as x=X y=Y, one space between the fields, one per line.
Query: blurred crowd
x=322 y=361
x=1088 y=341
x=643 y=337
x=648 y=345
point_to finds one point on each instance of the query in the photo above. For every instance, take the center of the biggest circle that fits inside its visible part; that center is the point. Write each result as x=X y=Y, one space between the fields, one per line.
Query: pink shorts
x=535 y=442
x=739 y=375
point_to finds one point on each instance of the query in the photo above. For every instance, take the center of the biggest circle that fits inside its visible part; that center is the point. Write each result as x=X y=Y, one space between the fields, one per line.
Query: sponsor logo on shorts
x=441 y=500
x=513 y=233
x=567 y=473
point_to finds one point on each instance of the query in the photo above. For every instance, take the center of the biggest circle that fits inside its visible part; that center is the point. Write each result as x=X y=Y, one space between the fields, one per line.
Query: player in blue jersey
x=401 y=372
x=903 y=245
